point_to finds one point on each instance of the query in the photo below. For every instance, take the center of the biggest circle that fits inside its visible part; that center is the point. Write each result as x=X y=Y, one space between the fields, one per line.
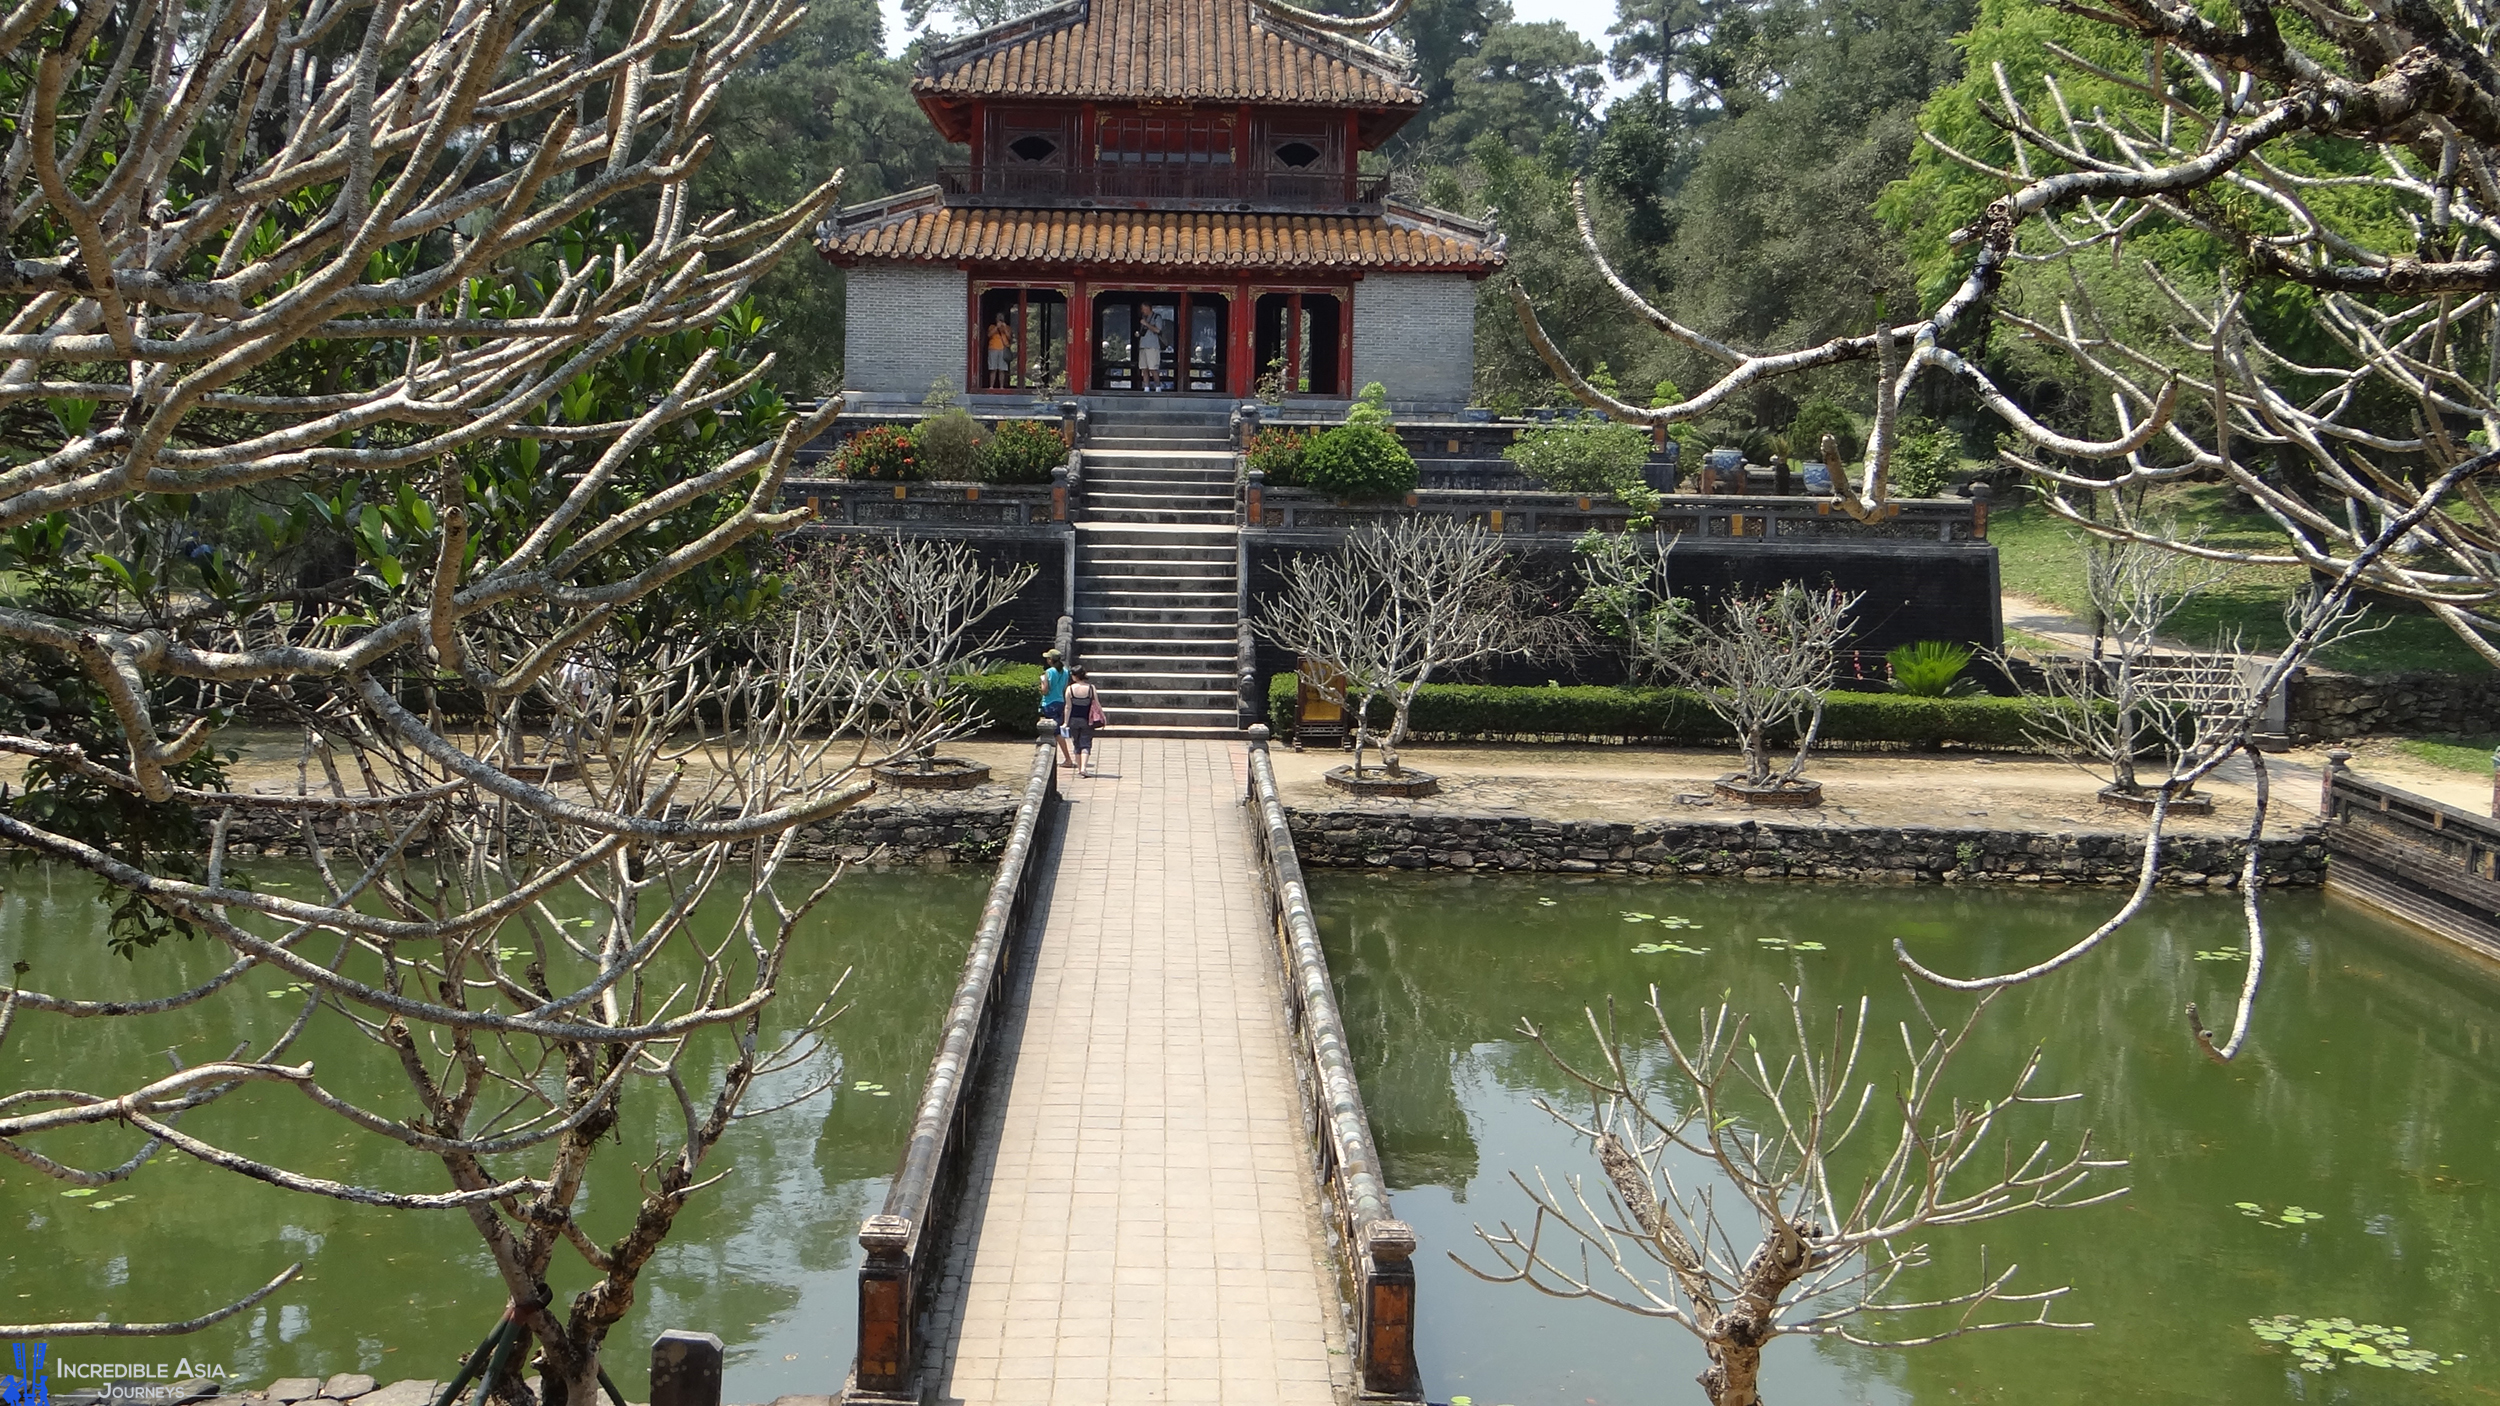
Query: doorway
x=1160 y=343
x=1021 y=341
x=1296 y=346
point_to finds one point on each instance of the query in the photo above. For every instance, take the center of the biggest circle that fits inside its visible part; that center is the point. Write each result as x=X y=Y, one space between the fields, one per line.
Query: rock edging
x=1768 y=849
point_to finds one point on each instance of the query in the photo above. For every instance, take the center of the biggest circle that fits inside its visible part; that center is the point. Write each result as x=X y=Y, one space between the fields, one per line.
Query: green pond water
x=765 y=1259
x=2370 y=1095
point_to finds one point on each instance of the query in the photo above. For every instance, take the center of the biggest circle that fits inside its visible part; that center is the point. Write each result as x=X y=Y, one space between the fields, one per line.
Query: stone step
x=1131 y=635
x=1198 y=438
x=1213 y=724
x=1179 y=591
x=1181 y=516
x=1198 y=540
x=1136 y=480
x=1161 y=495
x=1171 y=656
x=1202 y=566
x=1212 y=699
x=1089 y=613
x=1222 y=601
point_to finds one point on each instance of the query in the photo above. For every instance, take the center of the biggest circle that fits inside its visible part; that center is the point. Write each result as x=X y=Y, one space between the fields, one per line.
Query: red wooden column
x=1243 y=373
x=1353 y=139
x=1081 y=332
x=972 y=329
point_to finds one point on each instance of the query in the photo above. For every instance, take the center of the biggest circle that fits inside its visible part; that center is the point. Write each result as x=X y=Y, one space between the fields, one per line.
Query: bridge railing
x=2434 y=864
x=906 y=1244
x=1376 y=1250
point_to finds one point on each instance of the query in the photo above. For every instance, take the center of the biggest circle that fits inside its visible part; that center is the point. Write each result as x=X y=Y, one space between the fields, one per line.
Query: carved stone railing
x=868 y=503
x=2434 y=865
x=906 y=1242
x=1375 y=1249
x=1726 y=516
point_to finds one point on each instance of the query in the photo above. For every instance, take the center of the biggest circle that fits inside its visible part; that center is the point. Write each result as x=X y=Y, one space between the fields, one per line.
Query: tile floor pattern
x=1142 y=1225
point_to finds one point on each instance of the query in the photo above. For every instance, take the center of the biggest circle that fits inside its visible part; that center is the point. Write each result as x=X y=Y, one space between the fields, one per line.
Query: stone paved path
x=1141 y=1224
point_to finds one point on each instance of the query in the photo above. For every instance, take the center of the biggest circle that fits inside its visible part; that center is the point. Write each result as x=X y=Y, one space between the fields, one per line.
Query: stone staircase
x=1157 y=568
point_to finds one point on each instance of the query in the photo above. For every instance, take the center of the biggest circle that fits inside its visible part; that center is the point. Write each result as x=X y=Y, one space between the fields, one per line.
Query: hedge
x=1006 y=699
x=1474 y=711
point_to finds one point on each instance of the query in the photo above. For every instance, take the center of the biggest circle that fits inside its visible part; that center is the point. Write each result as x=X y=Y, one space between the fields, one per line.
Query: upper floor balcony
x=1187 y=185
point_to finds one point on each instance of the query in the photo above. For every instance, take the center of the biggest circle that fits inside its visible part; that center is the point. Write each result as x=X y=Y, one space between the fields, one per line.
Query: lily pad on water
x=2293 y=1216
x=1782 y=944
x=2222 y=954
x=1545 y=903
x=2324 y=1344
x=1652 y=948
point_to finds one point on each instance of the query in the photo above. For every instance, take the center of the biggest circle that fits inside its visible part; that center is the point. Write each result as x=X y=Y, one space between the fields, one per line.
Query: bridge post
x=888 y=1354
x=1388 y=1270
x=685 y=1369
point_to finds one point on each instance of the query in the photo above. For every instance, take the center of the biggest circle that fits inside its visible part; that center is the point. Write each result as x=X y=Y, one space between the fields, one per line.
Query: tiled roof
x=925 y=231
x=1202 y=50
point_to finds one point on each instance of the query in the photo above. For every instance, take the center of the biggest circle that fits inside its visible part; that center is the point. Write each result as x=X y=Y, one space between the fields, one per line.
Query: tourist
x=1149 y=357
x=1084 y=708
x=1054 y=686
x=1001 y=337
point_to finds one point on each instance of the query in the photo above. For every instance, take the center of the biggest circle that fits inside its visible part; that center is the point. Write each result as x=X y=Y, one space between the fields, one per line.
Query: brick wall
x=904 y=328
x=1415 y=333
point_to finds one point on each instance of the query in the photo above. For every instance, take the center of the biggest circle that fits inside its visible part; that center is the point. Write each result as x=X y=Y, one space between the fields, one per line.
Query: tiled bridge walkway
x=1140 y=1222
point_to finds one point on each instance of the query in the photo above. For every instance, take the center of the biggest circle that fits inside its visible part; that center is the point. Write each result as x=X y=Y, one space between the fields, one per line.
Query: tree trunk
x=1397 y=733
x=1361 y=707
x=1757 y=766
x=1735 y=1370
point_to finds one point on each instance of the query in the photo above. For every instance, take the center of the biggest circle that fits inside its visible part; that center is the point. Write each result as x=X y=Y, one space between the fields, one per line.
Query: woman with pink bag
x=1084 y=715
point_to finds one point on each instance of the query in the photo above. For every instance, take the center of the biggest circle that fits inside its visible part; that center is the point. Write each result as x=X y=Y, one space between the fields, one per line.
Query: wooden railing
x=1213 y=183
x=1376 y=1249
x=2433 y=864
x=906 y=1242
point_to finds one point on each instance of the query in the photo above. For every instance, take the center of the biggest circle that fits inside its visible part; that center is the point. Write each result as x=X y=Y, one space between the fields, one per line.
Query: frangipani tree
x=1399 y=605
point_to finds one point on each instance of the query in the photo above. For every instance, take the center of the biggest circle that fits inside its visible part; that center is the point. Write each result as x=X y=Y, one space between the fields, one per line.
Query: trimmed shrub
x=1358 y=461
x=1021 y=451
x=1585 y=456
x=879 y=452
x=1006 y=699
x=1278 y=454
x=1468 y=711
x=1370 y=407
x=950 y=445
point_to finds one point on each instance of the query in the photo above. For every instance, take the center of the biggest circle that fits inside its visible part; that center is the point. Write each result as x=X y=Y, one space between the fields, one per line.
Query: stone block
x=347 y=1386
x=407 y=1393
x=294 y=1388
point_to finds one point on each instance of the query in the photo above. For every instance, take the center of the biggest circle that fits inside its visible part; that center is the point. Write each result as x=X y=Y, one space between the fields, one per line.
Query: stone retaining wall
x=2327 y=706
x=969 y=827
x=1759 y=849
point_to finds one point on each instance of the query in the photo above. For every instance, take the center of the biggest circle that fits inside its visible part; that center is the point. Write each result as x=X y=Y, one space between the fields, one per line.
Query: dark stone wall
x=1912 y=591
x=1032 y=621
x=1398 y=838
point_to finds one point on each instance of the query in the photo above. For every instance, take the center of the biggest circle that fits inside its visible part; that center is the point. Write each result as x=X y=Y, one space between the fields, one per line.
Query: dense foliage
x=1358 y=461
x=882 y=452
x=1278 y=452
x=1021 y=451
x=1581 y=456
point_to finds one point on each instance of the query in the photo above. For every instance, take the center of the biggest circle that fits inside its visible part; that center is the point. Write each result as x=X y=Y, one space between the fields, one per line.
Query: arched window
x=1033 y=148
x=1298 y=155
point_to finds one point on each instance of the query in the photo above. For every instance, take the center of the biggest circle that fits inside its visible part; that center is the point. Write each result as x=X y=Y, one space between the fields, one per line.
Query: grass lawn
x=2040 y=557
x=2466 y=754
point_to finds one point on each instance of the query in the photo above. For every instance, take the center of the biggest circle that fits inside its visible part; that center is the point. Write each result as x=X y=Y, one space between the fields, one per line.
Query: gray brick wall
x=903 y=328
x=1415 y=333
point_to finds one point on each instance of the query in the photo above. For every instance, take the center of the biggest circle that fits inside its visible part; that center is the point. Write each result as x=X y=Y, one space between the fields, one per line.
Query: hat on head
x=1051 y=654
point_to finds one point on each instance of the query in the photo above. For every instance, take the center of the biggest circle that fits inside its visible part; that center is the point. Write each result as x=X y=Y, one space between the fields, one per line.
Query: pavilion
x=1160 y=197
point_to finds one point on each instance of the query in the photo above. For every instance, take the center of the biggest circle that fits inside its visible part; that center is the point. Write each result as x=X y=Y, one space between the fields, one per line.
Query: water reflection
x=764 y=1259
x=2370 y=1094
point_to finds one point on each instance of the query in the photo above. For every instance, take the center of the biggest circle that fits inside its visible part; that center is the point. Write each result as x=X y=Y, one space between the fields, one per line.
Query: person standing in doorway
x=1084 y=706
x=1150 y=356
x=1001 y=341
x=1055 y=701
